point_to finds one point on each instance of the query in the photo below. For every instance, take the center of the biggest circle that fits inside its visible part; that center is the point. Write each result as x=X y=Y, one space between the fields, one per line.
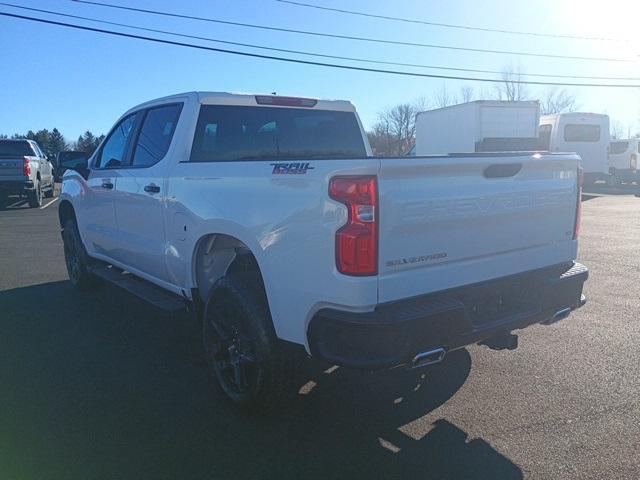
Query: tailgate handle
x=502 y=170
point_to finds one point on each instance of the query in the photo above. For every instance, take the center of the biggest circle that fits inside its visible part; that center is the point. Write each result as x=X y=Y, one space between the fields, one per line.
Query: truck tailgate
x=458 y=220
x=11 y=167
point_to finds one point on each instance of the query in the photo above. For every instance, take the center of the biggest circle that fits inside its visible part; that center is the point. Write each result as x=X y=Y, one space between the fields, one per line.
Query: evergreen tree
x=57 y=142
x=88 y=142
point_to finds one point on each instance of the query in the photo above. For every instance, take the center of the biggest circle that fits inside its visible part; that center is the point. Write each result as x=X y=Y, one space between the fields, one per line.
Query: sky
x=75 y=80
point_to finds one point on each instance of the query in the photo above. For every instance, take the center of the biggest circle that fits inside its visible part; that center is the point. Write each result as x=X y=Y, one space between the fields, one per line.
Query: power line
x=448 y=25
x=299 y=52
x=306 y=62
x=350 y=37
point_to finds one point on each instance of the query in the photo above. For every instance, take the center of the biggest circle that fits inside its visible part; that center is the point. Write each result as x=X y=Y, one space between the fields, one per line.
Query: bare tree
x=442 y=98
x=466 y=94
x=617 y=130
x=558 y=101
x=511 y=89
x=395 y=130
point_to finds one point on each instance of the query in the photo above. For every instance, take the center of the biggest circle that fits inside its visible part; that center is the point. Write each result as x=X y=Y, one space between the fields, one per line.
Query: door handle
x=107 y=184
x=151 y=188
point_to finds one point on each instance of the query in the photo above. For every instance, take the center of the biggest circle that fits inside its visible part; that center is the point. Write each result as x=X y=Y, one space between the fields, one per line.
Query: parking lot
x=101 y=386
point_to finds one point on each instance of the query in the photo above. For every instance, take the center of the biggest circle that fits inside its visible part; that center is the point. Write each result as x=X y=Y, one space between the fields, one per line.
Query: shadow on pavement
x=13 y=203
x=101 y=386
x=603 y=189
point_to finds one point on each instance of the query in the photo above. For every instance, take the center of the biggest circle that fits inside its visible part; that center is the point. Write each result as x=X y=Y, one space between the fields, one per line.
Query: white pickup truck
x=269 y=218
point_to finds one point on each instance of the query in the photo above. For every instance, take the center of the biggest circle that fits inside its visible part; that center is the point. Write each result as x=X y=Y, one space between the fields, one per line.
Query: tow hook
x=502 y=341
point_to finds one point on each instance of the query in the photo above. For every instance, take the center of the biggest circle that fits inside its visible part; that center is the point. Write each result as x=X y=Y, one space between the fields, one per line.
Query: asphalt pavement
x=101 y=386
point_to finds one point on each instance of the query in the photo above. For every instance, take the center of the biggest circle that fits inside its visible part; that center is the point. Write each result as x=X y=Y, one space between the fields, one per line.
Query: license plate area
x=501 y=300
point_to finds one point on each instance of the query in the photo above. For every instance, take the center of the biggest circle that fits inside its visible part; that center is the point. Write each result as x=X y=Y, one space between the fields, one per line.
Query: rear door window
x=228 y=133
x=581 y=133
x=155 y=135
x=11 y=148
x=36 y=147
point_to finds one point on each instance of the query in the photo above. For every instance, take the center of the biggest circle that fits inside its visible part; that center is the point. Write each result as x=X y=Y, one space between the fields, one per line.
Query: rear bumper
x=394 y=333
x=15 y=186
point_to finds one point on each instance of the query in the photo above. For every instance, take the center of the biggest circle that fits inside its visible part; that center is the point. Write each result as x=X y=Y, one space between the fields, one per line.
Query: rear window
x=228 y=133
x=582 y=133
x=618 y=147
x=11 y=148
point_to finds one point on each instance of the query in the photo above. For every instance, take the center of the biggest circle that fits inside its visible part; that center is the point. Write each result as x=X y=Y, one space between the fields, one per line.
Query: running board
x=147 y=291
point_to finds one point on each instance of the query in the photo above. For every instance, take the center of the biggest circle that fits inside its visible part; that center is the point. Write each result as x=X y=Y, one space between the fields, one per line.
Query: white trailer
x=587 y=134
x=479 y=126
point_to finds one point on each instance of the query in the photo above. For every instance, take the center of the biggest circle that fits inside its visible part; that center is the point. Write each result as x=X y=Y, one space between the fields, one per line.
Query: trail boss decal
x=295 y=168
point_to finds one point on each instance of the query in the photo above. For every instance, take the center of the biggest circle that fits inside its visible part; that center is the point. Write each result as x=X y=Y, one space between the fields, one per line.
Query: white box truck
x=479 y=126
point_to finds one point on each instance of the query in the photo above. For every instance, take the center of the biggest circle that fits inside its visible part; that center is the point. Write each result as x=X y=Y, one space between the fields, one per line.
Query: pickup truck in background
x=271 y=220
x=624 y=163
x=25 y=170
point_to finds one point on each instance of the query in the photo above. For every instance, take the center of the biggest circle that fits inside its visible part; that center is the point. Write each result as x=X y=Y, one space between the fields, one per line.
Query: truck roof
x=245 y=99
x=501 y=103
x=574 y=114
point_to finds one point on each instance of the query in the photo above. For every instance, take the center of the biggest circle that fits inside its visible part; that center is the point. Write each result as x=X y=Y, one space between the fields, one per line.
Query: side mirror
x=78 y=162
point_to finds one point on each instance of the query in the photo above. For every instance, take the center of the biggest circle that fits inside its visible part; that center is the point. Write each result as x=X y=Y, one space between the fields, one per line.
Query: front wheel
x=76 y=258
x=241 y=346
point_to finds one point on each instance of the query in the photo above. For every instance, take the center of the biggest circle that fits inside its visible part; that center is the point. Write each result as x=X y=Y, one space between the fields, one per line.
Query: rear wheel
x=51 y=190
x=76 y=258
x=35 y=195
x=241 y=345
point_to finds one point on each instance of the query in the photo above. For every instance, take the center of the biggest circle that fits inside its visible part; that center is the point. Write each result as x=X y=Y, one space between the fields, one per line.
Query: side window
x=36 y=147
x=114 y=148
x=155 y=135
x=616 y=148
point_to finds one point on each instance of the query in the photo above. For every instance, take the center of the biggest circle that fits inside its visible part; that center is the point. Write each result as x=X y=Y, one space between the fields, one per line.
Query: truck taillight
x=26 y=166
x=576 y=228
x=633 y=163
x=357 y=240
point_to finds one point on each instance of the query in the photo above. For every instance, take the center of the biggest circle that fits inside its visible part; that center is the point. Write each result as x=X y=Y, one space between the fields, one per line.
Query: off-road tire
x=49 y=193
x=76 y=259
x=239 y=300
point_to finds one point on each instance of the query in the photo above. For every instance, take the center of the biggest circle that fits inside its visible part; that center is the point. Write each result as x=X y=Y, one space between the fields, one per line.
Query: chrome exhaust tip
x=559 y=315
x=429 y=357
